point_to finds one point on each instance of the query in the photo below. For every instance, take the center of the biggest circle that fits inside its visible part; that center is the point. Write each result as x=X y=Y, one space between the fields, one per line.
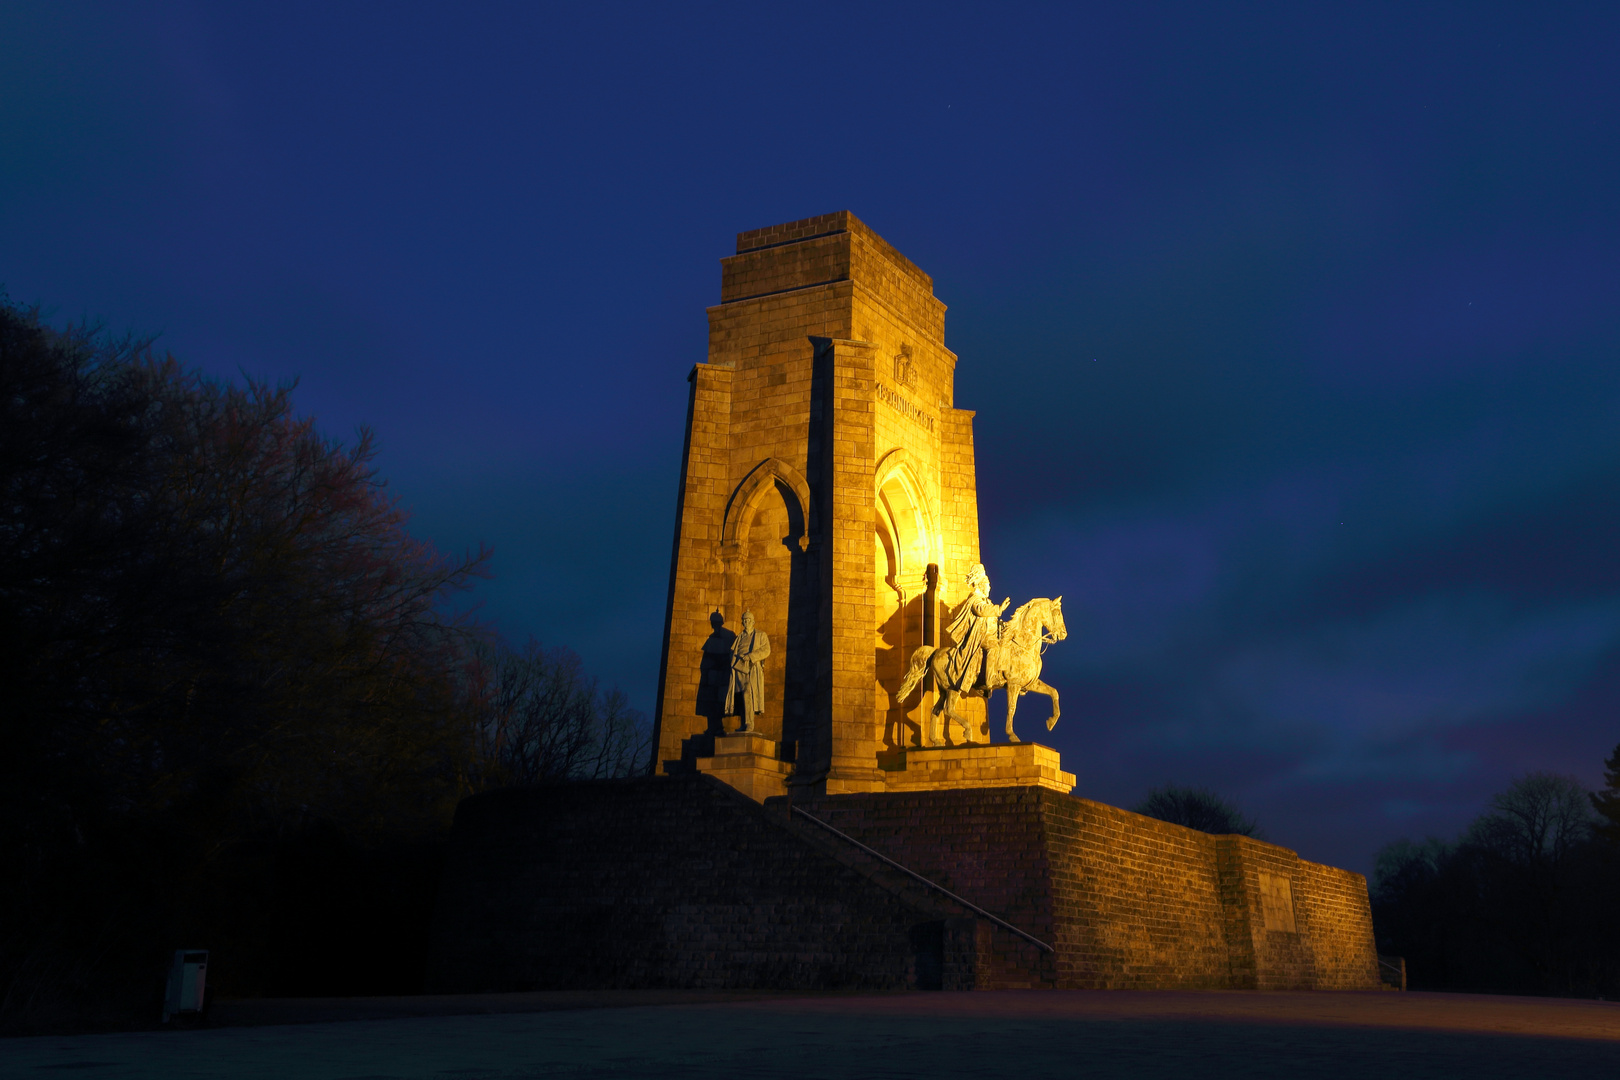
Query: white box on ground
x=186 y=977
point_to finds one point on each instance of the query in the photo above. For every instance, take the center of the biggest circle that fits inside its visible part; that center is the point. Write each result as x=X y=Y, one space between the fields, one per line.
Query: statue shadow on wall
x=714 y=679
x=714 y=676
x=900 y=731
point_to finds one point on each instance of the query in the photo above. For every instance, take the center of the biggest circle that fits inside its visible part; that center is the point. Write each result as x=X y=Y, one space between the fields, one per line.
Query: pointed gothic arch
x=907 y=508
x=745 y=500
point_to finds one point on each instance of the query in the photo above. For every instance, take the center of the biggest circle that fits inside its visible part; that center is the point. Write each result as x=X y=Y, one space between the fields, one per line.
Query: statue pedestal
x=938 y=768
x=749 y=762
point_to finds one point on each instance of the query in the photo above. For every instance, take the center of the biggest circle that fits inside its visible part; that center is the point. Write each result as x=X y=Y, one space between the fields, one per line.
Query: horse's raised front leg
x=1038 y=687
x=1013 y=690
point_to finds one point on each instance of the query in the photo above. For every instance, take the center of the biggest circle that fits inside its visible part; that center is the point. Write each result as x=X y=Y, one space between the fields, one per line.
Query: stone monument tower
x=826 y=535
x=827 y=486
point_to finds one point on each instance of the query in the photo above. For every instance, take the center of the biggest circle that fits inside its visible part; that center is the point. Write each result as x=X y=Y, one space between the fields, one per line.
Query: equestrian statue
x=988 y=655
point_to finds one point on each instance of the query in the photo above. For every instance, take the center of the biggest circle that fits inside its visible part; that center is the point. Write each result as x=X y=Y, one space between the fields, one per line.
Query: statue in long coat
x=975 y=628
x=748 y=654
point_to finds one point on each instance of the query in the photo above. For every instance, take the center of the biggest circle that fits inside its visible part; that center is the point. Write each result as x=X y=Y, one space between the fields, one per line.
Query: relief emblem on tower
x=905 y=372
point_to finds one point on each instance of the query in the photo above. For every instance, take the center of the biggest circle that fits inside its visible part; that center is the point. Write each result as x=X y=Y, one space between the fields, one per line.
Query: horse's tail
x=915 y=673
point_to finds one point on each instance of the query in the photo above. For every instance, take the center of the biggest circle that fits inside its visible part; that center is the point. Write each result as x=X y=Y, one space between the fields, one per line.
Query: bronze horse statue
x=1013 y=662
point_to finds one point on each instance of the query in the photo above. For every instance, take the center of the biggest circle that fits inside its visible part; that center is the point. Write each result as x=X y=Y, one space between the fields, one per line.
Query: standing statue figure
x=976 y=629
x=748 y=654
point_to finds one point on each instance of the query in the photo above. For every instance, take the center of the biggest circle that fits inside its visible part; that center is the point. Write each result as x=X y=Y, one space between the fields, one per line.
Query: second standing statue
x=746 y=695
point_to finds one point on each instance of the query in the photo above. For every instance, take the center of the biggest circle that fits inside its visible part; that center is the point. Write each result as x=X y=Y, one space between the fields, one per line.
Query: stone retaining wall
x=673 y=882
x=1128 y=901
x=680 y=881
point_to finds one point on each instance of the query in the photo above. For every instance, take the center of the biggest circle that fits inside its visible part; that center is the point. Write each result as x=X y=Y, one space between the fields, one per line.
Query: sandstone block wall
x=1128 y=901
x=1341 y=931
x=681 y=881
x=673 y=882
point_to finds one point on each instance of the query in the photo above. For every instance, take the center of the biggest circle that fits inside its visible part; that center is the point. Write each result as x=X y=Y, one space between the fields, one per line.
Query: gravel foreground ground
x=1301 y=1036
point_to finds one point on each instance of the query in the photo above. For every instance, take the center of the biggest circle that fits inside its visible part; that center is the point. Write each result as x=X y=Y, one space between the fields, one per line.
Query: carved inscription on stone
x=893 y=400
x=1277 y=903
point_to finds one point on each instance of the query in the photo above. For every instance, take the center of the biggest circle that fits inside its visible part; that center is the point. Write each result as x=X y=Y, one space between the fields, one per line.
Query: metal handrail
x=976 y=909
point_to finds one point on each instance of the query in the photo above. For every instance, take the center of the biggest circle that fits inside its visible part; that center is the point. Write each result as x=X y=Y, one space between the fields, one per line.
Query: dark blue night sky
x=1293 y=330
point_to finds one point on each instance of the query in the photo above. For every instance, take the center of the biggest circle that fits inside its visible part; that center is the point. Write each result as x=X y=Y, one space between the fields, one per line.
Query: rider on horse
x=984 y=658
x=976 y=629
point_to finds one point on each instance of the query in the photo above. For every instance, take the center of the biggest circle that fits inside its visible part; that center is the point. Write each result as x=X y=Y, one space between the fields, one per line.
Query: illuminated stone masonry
x=811 y=823
x=827 y=486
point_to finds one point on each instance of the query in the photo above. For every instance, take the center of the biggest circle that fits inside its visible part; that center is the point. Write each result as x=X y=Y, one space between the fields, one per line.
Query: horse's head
x=1040 y=618
x=1059 y=630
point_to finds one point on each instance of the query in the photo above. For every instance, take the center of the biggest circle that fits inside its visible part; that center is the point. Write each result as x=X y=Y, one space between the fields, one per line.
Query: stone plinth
x=982 y=766
x=749 y=762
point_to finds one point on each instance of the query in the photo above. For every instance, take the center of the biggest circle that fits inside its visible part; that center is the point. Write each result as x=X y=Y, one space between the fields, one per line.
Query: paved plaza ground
x=1301 y=1036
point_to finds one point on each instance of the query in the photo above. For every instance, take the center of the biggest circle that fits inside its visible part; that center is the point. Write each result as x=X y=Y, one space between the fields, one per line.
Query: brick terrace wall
x=984 y=844
x=1263 y=958
x=674 y=881
x=679 y=881
x=1342 y=931
x=1128 y=901
x=1139 y=900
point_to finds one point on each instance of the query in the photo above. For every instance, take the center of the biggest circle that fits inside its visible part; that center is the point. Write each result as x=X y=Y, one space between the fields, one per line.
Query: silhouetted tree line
x=1524 y=901
x=541 y=718
x=236 y=710
x=1197 y=808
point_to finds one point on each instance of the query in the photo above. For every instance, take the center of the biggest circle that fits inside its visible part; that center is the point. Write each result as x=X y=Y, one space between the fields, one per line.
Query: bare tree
x=539 y=717
x=1536 y=823
x=1522 y=902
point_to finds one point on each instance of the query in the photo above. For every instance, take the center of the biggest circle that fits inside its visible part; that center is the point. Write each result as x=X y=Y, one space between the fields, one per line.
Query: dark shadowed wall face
x=1292 y=330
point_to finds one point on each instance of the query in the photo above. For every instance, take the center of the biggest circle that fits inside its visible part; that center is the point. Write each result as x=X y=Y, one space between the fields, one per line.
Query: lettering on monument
x=893 y=400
